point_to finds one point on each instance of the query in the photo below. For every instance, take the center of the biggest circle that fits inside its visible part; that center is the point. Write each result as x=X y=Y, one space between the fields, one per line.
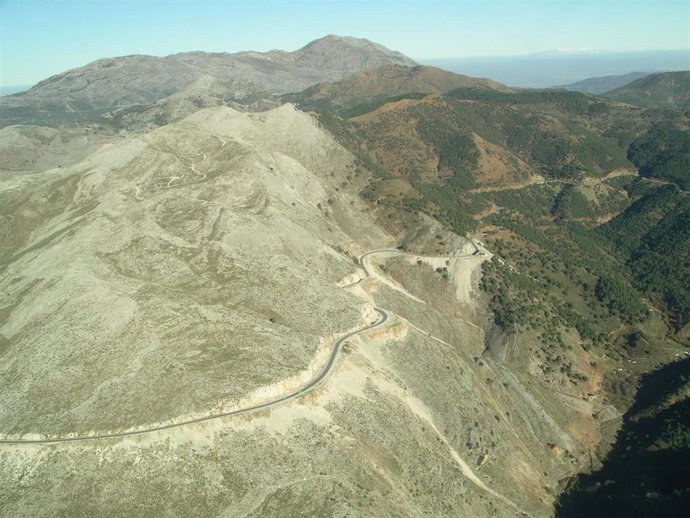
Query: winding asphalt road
x=325 y=371
x=323 y=374
x=363 y=266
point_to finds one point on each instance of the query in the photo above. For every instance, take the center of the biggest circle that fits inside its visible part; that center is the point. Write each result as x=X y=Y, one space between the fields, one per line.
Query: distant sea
x=560 y=68
x=8 y=90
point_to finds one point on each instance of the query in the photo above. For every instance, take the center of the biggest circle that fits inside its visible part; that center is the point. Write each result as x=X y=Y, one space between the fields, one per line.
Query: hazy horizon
x=543 y=70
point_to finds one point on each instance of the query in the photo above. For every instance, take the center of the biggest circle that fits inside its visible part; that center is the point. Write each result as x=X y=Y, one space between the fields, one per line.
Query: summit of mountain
x=341 y=56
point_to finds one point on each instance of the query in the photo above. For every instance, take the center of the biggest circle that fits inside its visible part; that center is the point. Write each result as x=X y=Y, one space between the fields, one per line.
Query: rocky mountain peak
x=343 y=55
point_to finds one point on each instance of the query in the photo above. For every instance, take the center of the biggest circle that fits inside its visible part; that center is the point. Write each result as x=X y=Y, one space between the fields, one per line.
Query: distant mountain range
x=147 y=91
x=89 y=92
x=600 y=85
x=666 y=90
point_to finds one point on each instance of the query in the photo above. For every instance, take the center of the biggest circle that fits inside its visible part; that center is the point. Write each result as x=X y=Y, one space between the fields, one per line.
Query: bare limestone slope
x=166 y=265
x=37 y=148
x=210 y=265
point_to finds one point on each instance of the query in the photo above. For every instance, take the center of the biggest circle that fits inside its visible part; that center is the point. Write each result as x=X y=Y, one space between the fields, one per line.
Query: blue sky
x=39 y=38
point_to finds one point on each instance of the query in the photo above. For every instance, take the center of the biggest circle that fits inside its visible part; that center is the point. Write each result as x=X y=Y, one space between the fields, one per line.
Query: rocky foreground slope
x=206 y=228
x=210 y=265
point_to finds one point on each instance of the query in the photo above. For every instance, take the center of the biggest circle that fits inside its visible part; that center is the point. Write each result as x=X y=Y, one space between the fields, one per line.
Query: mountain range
x=601 y=85
x=334 y=282
x=663 y=90
x=89 y=92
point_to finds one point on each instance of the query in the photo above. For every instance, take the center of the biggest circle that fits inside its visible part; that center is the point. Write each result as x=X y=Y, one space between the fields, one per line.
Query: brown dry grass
x=496 y=166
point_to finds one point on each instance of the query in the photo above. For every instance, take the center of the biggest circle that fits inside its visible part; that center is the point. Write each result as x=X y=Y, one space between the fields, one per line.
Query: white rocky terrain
x=174 y=277
x=37 y=148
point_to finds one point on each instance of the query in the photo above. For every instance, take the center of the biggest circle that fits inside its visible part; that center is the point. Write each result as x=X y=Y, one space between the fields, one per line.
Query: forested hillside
x=652 y=236
x=661 y=90
x=663 y=153
x=584 y=203
x=547 y=166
